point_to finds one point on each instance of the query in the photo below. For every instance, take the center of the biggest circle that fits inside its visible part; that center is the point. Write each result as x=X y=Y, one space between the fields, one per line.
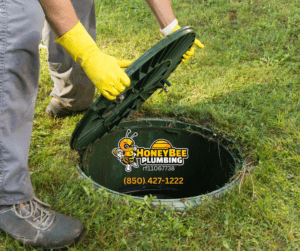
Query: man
x=22 y=215
x=73 y=91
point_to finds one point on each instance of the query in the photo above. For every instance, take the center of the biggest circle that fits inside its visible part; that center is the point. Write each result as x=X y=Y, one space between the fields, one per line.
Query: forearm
x=163 y=11
x=60 y=14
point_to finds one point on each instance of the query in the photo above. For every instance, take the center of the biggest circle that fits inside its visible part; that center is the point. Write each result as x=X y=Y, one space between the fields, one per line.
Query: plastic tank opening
x=173 y=160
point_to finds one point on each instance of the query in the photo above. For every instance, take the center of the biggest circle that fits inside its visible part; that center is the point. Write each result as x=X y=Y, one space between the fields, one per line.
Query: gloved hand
x=174 y=27
x=103 y=70
x=191 y=51
x=124 y=63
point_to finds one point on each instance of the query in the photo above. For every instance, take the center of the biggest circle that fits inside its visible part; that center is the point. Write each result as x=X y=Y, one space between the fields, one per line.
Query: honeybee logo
x=126 y=151
x=162 y=152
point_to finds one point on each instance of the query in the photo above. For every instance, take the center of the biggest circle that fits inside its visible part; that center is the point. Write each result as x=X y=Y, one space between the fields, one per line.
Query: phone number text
x=153 y=180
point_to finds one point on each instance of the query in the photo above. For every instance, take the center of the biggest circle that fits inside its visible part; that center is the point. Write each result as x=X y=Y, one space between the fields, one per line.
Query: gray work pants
x=21 y=24
x=72 y=87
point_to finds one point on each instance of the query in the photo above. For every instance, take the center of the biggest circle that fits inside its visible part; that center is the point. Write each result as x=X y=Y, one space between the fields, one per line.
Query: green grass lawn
x=244 y=84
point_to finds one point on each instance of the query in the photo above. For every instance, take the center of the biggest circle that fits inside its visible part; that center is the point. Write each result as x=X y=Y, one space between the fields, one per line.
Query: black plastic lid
x=147 y=74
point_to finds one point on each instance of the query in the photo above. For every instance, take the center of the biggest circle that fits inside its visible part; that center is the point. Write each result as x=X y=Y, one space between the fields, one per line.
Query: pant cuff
x=13 y=202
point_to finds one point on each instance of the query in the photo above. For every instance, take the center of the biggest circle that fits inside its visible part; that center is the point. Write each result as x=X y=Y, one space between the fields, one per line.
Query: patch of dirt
x=232 y=15
x=56 y=124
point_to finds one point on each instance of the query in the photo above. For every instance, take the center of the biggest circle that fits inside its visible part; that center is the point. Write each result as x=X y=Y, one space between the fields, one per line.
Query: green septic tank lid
x=148 y=73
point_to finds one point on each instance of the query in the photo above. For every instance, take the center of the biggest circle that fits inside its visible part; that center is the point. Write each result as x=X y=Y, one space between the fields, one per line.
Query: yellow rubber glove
x=103 y=70
x=191 y=51
x=124 y=63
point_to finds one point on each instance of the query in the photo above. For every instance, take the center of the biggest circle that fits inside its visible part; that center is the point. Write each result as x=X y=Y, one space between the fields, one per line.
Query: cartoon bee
x=126 y=151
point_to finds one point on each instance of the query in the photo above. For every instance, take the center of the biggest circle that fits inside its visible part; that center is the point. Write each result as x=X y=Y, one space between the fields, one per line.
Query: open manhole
x=177 y=162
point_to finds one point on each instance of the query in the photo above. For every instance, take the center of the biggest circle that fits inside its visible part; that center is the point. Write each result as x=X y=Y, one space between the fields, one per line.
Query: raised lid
x=147 y=74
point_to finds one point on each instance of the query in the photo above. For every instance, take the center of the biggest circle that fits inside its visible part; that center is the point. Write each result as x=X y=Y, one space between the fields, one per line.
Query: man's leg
x=24 y=217
x=72 y=88
x=21 y=25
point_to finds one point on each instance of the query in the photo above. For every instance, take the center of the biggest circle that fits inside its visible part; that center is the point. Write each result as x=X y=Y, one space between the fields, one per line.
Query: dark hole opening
x=208 y=167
